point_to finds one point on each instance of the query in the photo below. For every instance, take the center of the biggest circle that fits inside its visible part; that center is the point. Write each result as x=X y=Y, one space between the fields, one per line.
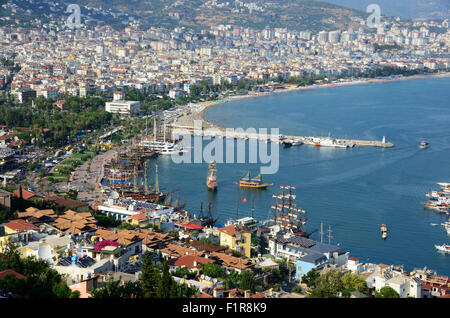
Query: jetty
x=209 y=130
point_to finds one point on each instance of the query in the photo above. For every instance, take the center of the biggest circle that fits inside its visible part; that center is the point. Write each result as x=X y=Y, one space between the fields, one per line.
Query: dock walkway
x=211 y=130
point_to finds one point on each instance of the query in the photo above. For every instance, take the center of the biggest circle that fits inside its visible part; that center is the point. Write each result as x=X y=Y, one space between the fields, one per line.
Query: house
x=37 y=217
x=24 y=94
x=129 y=240
x=209 y=248
x=139 y=220
x=235 y=293
x=19 y=226
x=123 y=107
x=435 y=286
x=230 y=262
x=189 y=261
x=85 y=285
x=385 y=275
x=354 y=265
x=10 y=272
x=75 y=222
x=152 y=240
x=26 y=194
x=175 y=251
x=405 y=286
x=68 y=203
x=306 y=254
x=236 y=238
x=5 y=199
x=265 y=262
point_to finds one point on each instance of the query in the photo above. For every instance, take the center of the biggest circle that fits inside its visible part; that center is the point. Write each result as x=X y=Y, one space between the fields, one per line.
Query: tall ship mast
x=211 y=179
x=286 y=214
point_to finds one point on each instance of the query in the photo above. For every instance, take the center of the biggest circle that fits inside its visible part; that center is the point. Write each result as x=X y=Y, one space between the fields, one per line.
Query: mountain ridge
x=202 y=14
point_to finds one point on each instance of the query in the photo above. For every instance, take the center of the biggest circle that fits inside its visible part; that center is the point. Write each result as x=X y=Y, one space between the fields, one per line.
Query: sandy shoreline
x=202 y=113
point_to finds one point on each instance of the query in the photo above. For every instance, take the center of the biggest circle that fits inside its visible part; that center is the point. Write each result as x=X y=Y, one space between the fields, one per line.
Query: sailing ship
x=286 y=214
x=211 y=179
x=383 y=231
x=128 y=187
x=256 y=182
x=203 y=220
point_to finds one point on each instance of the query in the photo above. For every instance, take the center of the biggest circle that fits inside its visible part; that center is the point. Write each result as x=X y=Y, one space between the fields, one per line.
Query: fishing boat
x=383 y=231
x=443 y=248
x=437 y=206
x=446 y=226
x=255 y=183
x=424 y=144
x=211 y=179
x=438 y=195
x=287 y=143
x=444 y=185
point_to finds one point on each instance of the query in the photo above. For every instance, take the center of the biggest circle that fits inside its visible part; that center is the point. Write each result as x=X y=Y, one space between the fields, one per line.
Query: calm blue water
x=353 y=191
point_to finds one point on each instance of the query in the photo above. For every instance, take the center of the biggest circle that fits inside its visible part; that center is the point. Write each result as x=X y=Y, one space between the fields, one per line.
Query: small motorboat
x=383 y=231
x=424 y=144
x=443 y=248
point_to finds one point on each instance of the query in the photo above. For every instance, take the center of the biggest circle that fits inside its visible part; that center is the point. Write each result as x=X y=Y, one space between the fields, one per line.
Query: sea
x=348 y=193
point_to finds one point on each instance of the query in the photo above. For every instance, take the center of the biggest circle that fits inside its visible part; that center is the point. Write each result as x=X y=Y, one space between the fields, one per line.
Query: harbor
x=352 y=192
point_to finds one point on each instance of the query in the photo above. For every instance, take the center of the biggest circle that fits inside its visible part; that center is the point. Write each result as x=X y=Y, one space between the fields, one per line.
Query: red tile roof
x=4 y=273
x=188 y=261
x=71 y=204
x=20 y=225
x=232 y=230
x=26 y=194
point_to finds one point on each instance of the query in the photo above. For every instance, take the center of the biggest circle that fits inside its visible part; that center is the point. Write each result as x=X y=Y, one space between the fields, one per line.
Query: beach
x=206 y=105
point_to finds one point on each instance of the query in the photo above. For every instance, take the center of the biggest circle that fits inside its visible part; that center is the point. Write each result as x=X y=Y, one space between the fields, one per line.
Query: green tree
x=310 y=278
x=150 y=276
x=386 y=292
x=247 y=281
x=166 y=288
x=114 y=289
x=328 y=285
x=354 y=282
x=212 y=270
x=41 y=279
x=297 y=289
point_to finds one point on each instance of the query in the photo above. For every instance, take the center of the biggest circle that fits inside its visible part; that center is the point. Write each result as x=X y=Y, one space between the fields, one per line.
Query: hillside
x=410 y=9
x=200 y=14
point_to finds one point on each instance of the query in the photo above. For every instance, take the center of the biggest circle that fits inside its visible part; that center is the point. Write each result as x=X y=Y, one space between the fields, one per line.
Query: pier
x=209 y=130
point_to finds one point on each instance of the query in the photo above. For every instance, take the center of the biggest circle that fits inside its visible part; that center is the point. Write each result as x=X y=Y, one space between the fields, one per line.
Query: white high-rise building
x=334 y=36
x=323 y=37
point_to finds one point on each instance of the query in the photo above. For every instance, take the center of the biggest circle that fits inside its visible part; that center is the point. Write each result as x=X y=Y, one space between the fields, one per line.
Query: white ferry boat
x=163 y=148
x=329 y=142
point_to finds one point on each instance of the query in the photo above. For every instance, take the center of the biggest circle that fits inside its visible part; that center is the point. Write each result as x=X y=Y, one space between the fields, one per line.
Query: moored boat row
x=439 y=200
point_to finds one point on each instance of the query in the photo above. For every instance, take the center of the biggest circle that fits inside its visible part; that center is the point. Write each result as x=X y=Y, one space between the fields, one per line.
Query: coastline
x=207 y=105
